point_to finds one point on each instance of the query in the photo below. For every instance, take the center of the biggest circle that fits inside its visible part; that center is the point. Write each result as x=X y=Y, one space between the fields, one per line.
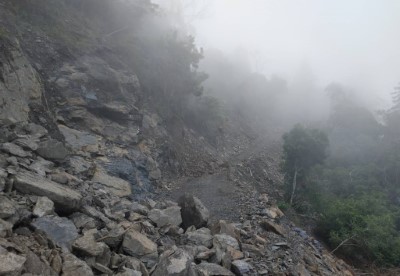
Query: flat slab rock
x=210 y=269
x=11 y=264
x=63 y=197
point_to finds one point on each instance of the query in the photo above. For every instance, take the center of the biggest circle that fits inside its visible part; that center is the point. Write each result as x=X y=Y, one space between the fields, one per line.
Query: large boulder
x=64 y=198
x=175 y=262
x=193 y=212
x=137 y=245
x=168 y=216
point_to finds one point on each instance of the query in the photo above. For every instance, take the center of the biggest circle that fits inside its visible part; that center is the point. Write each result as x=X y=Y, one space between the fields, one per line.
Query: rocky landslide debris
x=49 y=228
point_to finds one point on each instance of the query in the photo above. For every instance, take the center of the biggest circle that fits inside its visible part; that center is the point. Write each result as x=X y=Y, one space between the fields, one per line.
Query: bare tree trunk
x=294 y=184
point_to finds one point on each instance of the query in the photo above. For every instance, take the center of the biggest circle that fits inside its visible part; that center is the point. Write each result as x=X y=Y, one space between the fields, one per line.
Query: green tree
x=302 y=149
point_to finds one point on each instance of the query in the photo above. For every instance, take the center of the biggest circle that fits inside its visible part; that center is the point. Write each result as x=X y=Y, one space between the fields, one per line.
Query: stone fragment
x=201 y=236
x=137 y=245
x=7 y=208
x=193 y=212
x=72 y=266
x=241 y=268
x=210 y=269
x=35 y=266
x=43 y=207
x=11 y=264
x=53 y=150
x=115 y=185
x=14 y=149
x=169 y=216
x=5 y=228
x=175 y=262
x=272 y=227
x=27 y=143
x=88 y=246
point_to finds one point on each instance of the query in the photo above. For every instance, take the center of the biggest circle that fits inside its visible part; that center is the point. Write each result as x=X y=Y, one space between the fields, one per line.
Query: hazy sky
x=356 y=42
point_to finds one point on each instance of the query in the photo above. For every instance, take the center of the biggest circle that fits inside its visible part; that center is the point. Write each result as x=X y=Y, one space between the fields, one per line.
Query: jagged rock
x=72 y=266
x=79 y=140
x=102 y=269
x=79 y=165
x=35 y=266
x=115 y=185
x=27 y=143
x=36 y=131
x=58 y=229
x=274 y=212
x=53 y=150
x=87 y=245
x=201 y=236
x=193 y=211
x=43 y=207
x=41 y=166
x=14 y=149
x=135 y=264
x=11 y=264
x=175 y=262
x=137 y=245
x=272 y=227
x=64 y=198
x=5 y=228
x=210 y=269
x=83 y=221
x=222 y=243
x=169 y=216
x=113 y=237
x=7 y=208
x=129 y=272
x=241 y=268
x=222 y=227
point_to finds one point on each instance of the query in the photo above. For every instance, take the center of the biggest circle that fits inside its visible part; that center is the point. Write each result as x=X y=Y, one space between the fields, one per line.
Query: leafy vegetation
x=355 y=193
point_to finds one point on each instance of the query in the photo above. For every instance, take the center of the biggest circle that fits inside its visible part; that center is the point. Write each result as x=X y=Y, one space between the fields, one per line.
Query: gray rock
x=210 y=269
x=36 y=131
x=58 y=229
x=27 y=143
x=43 y=207
x=53 y=150
x=193 y=211
x=272 y=227
x=11 y=264
x=129 y=272
x=79 y=140
x=115 y=185
x=72 y=266
x=79 y=165
x=5 y=228
x=137 y=245
x=175 y=262
x=35 y=266
x=241 y=268
x=169 y=216
x=41 y=166
x=201 y=236
x=7 y=208
x=83 y=221
x=16 y=150
x=222 y=243
x=87 y=245
x=63 y=197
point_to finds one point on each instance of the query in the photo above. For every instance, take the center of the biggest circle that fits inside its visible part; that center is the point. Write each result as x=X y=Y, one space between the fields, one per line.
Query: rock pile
x=54 y=222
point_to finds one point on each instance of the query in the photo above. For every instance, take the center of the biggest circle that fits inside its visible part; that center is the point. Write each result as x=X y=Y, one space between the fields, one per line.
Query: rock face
x=193 y=212
x=138 y=245
x=64 y=198
x=168 y=216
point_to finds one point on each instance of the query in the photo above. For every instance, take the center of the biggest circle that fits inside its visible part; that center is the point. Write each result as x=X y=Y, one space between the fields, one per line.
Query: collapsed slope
x=86 y=140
